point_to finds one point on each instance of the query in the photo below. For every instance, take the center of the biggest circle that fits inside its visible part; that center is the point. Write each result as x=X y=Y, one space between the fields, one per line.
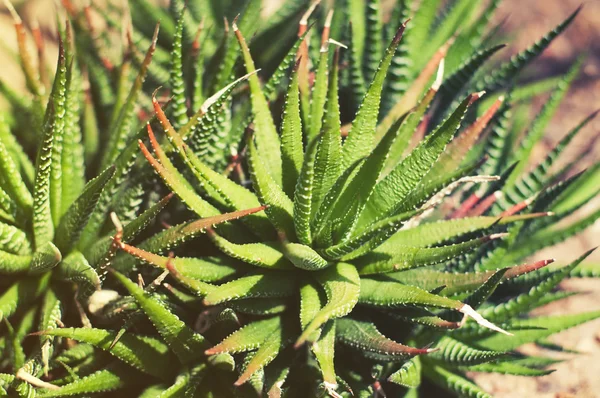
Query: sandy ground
x=526 y=20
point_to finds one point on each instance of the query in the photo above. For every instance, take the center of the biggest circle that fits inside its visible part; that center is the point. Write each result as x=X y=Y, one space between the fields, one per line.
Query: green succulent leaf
x=304 y=257
x=361 y=137
x=261 y=306
x=291 y=137
x=454 y=382
x=524 y=301
x=314 y=208
x=176 y=81
x=45 y=258
x=54 y=121
x=369 y=238
x=269 y=284
x=72 y=178
x=248 y=24
x=319 y=89
x=437 y=232
x=341 y=285
x=264 y=255
x=393 y=189
x=280 y=208
x=542 y=120
x=304 y=195
x=312 y=299
x=77 y=215
x=177 y=235
x=388 y=259
x=267 y=139
x=324 y=350
x=389 y=294
x=21 y=293
x=233 y=196
x=174 y=180
x=145 y=353
x=183 y=341
x=123 y=165
x=328 y=158
x=364 y=335
x=457 y=81
x=267 y=351
x=248 y=338
x=533 y=329
x=51 y=312
x=458 y=283
x=586 y=270
x=76 y=268
x=13 y=263
x=409 y=375
x=508 y=70
x=115 y=376
x=13 y=183
x=508 y=368
x=210 y=269
x=358 y=189
x=456 y=353
x=130 y=230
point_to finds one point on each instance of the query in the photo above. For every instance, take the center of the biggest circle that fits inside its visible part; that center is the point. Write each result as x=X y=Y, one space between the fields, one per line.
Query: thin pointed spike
x=439 y=77
x=144 y=255
x=166 y=125
x=471 y=313
x=34 y=381
x=151 y=159
x=208 y=222
x=118 y=336
x=117 y=238
x=526 y=268
x=13 y=12
x=303 y=24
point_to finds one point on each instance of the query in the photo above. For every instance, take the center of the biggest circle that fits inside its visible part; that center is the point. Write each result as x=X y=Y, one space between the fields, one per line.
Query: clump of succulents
x=387 y=212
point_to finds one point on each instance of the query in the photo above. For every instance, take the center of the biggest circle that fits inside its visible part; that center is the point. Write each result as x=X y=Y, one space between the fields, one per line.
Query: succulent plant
x=387 y=212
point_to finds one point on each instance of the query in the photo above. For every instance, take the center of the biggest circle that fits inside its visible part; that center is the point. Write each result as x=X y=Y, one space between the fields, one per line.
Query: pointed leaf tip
x=497 y=236
x=155 y=34
x=400 y=32
x=34 y=381
x=471 y=313
x=308 y=13
x=13 y=12
x=475 y=96
x=439 y=77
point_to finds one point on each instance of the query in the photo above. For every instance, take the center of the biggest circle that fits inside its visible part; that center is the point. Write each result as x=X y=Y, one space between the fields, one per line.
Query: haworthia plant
x=347 y=207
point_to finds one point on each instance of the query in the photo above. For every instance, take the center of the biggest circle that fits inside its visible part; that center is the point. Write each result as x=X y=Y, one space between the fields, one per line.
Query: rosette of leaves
x=354 y=278
x=56 y=238
x=55 y=244
x=382 y=229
